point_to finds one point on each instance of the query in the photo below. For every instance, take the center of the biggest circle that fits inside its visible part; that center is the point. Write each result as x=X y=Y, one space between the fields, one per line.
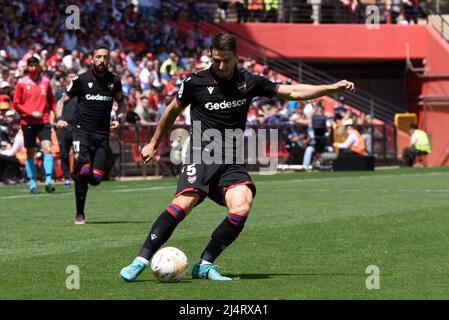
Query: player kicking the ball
x=219 y=97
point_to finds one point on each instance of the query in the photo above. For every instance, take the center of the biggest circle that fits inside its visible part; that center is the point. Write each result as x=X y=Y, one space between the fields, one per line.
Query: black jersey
x=70 y=110
x=223 y=104
x=95 y=99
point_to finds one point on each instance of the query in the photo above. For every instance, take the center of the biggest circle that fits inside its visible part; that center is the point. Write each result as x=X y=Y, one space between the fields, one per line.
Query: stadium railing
x=380 y=142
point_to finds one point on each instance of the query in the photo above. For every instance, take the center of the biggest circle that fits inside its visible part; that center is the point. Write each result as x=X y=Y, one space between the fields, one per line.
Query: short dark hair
x=414 y=126
x=224 y=42
x=32 y=60
x=99 y=47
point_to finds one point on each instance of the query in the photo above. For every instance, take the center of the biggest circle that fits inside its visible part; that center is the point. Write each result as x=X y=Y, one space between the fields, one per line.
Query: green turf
x=309 y=236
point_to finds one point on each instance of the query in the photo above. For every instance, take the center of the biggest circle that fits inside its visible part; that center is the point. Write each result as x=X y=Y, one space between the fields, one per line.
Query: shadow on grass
x=255 y=276
x=116 y=222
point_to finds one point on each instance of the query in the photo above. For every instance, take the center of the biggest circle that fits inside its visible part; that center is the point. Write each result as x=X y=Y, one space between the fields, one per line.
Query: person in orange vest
x=255 y=8
x=354 y=143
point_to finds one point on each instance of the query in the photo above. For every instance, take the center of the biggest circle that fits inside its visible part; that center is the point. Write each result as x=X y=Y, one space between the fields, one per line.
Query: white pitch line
x=25 y=196
x=141 y=189
x=364 y=190
x=119 y=190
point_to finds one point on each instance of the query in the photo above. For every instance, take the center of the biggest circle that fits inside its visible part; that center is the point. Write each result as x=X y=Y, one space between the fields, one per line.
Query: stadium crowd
x=151 y=57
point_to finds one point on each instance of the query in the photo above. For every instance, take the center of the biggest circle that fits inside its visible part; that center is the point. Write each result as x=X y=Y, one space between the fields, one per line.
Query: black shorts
x=213 y=180
x=91 y=148
x=33 y=131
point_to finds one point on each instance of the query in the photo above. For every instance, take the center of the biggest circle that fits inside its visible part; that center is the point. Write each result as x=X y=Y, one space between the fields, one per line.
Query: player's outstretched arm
x=308 y=91
x=165 y=123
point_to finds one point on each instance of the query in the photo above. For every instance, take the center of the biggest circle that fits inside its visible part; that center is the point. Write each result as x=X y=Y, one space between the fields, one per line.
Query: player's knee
x=239 y=200
x=46 y=146
x=241 y=209
x=187 y=201
x=82 y=168
x=97 y=177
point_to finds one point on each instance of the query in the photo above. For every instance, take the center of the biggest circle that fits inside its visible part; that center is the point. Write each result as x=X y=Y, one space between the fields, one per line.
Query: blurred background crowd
x=150 y=56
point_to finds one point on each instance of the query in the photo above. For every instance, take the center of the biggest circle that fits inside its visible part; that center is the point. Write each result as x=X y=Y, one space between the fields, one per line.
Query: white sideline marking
x=364 y=190
x=119 y=189
x=31 y=196
x=142 y=189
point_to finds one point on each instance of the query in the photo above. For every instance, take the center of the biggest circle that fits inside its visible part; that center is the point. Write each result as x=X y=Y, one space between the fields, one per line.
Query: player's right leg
x=160 y=232
x=44 y=135
x=81 y=173
x=65 y=144
x=29 y=137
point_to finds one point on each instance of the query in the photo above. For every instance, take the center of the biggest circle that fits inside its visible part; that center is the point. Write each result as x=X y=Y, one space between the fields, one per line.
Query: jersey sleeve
x=264 y=87
x=185 y=92
x=74 y=88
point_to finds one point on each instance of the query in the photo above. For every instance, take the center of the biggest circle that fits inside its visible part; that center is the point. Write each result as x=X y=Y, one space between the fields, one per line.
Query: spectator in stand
x=299 y=118
x=72 y=61
x=70 y=41
x=271 y=10
x=410 y=11
x=354 y=143
x=419 y=145
x=222 y=10
x=241 y=6
x=131 y=117
x=171 y=62
x=55 y=61
x=318 y=138
x=396 y=9
x=5 y=97
x=9 y=162
x=256 y=10
x=142 y=109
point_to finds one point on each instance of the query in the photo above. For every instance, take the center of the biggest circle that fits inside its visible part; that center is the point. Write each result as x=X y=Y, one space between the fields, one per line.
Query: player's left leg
x=65 y=144
x=45 y=138
x=48 y=165
x=99 y=160
x=238 y=199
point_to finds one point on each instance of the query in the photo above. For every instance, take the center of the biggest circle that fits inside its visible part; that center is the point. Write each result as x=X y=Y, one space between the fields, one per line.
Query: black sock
x=223 y=236
x=81 y=186
x=161 y=230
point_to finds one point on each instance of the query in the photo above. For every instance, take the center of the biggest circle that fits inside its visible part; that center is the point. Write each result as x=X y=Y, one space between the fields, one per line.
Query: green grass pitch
x=309 y=236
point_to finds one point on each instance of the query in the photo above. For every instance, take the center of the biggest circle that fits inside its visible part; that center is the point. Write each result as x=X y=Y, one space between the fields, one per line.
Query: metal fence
x=127 y=142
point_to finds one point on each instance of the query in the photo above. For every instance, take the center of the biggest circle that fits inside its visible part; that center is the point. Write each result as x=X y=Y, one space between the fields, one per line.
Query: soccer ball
x=169 y=264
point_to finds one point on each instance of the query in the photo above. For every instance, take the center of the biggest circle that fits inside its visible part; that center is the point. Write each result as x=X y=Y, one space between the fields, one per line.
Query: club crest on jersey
x=210 y=89
x=191 y=179
x=110 y=86
x=241 y=86
x=90 y=84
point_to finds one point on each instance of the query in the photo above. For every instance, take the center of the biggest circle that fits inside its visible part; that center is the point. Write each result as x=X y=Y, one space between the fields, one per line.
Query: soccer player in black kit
x=219 y=98
x=65 y=132
x=96 y=89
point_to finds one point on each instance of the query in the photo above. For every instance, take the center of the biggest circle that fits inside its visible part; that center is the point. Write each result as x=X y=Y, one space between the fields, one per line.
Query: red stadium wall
x=307 y=41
